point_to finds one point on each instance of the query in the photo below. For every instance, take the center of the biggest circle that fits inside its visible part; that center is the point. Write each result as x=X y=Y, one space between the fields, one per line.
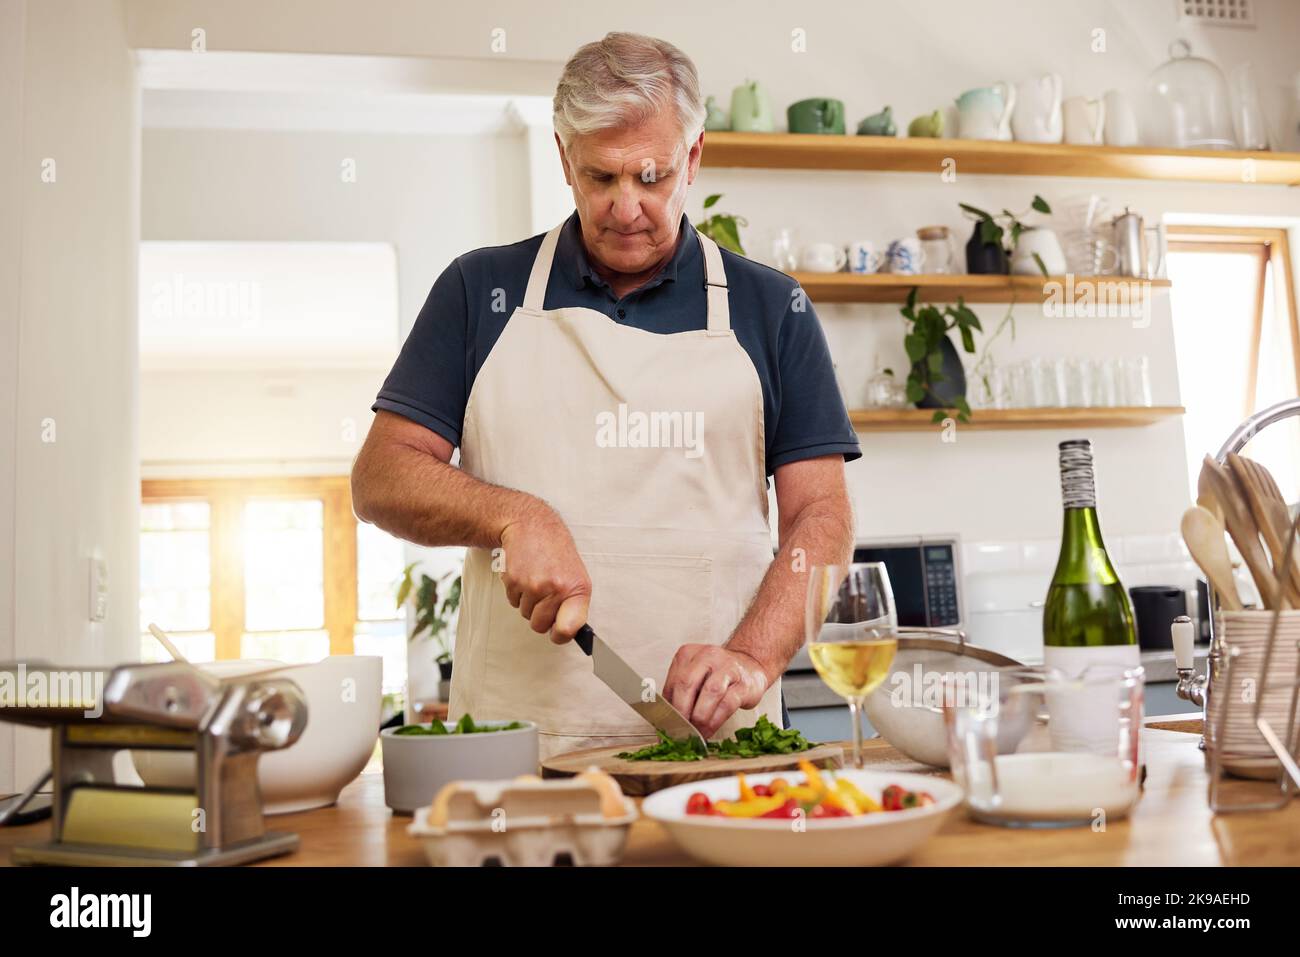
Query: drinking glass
x=852 y=632
x=1079 y=383
x=1135 y=375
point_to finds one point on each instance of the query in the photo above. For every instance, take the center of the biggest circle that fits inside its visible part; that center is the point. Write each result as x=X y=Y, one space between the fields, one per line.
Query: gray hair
x=624 y=80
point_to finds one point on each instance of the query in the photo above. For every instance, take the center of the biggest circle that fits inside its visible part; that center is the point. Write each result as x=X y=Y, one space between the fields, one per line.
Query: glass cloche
x=1188 y=103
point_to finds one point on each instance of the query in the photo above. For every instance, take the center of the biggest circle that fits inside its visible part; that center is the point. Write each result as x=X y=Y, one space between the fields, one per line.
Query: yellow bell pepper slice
x=754 y=807
x=864 y=802
x=746 y=792
x=812 y=774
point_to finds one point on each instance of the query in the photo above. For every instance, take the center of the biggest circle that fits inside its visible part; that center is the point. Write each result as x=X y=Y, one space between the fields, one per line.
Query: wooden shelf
x=918 y=420
x=923 y=155
x=886 y=287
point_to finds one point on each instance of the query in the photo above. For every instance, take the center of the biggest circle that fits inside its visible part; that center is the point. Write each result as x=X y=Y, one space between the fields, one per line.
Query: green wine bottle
x=1088 y=618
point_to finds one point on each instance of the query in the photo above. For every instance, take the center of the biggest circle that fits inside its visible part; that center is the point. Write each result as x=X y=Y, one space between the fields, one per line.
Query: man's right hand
x=544 y=575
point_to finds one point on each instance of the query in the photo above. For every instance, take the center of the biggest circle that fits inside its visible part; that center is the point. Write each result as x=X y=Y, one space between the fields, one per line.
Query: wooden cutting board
x=639 y=778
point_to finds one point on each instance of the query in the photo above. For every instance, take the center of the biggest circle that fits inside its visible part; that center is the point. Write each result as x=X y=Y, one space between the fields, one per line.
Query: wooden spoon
x=1258 y=496
x=1205 y=495
x=1203 y=533
x=1245 y=534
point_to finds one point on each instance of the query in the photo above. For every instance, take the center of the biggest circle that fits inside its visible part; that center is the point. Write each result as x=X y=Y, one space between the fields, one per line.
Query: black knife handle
x=584 y=639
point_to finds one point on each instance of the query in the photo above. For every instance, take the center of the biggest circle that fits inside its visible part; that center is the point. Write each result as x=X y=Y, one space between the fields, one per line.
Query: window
x=1237 y=341
x=268 y=568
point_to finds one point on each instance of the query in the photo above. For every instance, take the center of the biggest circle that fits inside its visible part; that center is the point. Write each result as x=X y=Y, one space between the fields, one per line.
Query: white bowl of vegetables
x=805 y=818
x=420 y=758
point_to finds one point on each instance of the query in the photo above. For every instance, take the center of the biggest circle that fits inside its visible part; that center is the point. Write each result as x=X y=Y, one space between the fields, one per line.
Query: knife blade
x=631 y=687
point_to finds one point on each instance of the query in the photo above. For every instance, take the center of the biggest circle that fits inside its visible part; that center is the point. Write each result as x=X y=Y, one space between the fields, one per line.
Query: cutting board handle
x=584 y=639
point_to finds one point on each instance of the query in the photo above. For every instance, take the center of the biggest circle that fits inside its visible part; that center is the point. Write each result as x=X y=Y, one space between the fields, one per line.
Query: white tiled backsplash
x=1005 y=583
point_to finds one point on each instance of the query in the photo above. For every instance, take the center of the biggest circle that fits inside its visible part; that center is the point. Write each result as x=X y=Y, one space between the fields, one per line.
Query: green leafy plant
x=433 y=614
x=929 y=327
x=1004 y=228
x=722 y=228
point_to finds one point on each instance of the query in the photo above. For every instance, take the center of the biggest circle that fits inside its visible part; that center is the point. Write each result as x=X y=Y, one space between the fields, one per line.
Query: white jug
x=1085 y=119
x=1037 y=117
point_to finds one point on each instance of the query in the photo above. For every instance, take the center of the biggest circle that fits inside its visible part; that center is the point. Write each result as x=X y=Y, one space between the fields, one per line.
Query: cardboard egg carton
x=524 y=824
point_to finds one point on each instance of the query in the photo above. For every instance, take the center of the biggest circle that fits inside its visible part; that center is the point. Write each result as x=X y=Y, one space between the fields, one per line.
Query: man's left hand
x=709 y=683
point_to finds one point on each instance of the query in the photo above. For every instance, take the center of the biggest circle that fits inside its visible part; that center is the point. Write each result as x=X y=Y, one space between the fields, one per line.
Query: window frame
x=226 y=498
x=1272 y=248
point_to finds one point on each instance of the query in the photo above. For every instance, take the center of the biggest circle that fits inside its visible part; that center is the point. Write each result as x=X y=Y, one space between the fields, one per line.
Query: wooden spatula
x=1245 y=535
x=1256 y=492
x=1203 y=533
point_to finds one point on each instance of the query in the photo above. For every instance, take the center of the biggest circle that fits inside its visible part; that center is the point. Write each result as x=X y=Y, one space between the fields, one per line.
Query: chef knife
x=625 y=682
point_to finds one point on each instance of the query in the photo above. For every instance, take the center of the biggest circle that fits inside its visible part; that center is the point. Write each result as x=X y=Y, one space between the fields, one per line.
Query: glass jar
x=936 y=244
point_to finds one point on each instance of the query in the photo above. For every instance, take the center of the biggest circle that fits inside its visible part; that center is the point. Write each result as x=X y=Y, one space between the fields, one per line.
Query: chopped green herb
x=763 y=738
x=465 y=725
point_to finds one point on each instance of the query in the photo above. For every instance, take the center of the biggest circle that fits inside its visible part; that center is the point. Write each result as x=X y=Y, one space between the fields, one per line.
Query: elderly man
x=620 y=390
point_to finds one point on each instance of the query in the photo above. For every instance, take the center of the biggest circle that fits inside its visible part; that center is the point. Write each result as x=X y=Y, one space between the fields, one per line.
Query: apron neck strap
x=535 y=294
x=715 y=283
x=715 y=280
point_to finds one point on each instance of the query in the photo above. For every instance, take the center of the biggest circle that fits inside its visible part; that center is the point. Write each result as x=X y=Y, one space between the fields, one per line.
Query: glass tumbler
x=1032 y=747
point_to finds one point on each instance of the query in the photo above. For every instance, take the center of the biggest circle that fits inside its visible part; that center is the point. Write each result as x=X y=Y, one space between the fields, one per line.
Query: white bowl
x=416 y=766
x=344 y=699
x=866 y=840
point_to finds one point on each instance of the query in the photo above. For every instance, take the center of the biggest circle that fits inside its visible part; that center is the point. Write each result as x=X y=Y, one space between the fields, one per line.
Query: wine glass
x=852 y=632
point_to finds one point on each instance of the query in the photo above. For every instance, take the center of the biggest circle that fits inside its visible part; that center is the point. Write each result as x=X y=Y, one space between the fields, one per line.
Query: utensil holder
x=1227 y=668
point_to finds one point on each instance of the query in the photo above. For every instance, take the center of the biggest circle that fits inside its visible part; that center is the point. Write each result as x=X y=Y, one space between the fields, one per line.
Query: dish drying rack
x=1221 y=663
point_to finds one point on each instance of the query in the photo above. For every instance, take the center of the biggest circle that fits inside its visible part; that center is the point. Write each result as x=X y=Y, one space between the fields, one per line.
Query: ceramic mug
x=818 y=115
x=1085 y=120
x=905 y=256
x=864 y=257
x=822 y=257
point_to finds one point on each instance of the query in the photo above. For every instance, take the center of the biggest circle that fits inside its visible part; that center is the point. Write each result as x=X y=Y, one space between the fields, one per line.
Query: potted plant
x=433 y=614
x=722 y=228
x=996 y=236
x=936 y=379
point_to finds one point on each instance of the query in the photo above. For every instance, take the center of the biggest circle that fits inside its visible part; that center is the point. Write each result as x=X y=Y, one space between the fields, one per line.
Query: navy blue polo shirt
x=473 y=299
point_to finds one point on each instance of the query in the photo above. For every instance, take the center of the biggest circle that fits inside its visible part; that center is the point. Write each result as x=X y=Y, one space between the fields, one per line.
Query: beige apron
x=651 y=449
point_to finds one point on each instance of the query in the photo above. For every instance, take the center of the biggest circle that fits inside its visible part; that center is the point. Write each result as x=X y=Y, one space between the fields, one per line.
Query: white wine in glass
x=852 y=632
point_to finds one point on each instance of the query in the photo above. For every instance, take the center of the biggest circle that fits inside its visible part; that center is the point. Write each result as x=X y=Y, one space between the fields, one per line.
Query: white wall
x=431 y=197
x=67 y=341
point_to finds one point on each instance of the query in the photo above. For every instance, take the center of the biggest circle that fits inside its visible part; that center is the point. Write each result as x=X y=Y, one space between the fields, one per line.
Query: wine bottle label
x=1071 y=661
x=1087 y=717
x=1078 y=485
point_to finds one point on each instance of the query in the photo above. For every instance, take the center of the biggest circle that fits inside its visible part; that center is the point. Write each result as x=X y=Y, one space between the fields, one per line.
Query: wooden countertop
x=1171 y=825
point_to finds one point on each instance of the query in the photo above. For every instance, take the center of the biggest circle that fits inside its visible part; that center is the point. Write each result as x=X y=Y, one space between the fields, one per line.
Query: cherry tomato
x=699 y=803
x=829 y=810
x=762 y=790
x=891 y=799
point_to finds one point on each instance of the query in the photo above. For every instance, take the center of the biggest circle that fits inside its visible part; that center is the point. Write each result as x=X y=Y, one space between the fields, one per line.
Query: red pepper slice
x=789 y=810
